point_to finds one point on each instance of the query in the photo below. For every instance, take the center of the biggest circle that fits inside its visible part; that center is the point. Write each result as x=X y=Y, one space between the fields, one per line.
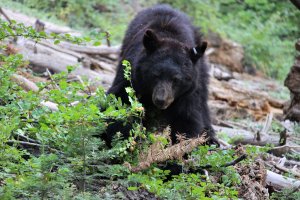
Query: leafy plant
x=288 y=194
x=50 y=154
x=192 y=185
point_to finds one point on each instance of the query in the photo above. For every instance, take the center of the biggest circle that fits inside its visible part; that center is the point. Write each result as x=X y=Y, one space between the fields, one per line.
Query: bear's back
x=165 y=21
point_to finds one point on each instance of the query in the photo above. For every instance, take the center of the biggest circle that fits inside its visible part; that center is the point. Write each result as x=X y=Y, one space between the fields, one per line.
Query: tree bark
x=292 y=81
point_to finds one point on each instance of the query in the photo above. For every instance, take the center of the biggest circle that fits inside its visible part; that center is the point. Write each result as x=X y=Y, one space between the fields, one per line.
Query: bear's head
x=166 y=69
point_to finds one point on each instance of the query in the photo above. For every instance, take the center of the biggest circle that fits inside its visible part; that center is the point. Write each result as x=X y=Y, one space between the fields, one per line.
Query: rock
x=226 y=52
x=220 y=72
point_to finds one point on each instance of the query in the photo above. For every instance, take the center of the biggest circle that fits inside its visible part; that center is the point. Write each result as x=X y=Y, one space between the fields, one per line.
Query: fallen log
x=280 y=182
x=24 y=83
x=45 y=56
x=30 y=21
x=48 y=56
x=240 y=136
x=100 y=50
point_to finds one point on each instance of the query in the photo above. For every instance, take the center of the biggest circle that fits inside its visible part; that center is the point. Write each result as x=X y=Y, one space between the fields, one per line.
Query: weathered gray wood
x=241 y=136
x=24 y=83
x=280 y=182
x=101 y=50
x=30 y=21
x=45 y=55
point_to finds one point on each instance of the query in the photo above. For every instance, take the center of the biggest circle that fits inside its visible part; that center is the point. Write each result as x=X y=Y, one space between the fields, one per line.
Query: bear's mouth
x=162 y=105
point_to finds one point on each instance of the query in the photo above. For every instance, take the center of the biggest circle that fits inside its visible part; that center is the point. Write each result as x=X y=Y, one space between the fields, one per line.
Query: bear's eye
x=176 y=79
x=155 y=74
x=188 y=78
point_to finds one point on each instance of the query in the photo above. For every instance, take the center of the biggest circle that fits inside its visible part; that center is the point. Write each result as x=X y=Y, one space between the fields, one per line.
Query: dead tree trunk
x=292 y=81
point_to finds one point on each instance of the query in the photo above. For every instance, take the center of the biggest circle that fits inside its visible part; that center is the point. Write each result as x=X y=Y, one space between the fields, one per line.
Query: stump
x=292 y=81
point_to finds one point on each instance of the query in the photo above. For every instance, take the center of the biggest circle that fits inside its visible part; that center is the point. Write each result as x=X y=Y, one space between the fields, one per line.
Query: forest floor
x=245 y=108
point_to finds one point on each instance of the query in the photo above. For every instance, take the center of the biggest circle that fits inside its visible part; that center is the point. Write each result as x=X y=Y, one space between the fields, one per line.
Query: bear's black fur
x=169 y=74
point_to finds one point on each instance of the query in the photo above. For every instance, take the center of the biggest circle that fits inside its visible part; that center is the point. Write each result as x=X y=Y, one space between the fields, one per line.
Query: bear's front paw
x=212 y=140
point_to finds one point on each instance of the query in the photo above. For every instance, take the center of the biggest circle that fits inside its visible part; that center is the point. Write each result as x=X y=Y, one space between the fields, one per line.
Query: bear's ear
x=150 y=41
x=198 y=51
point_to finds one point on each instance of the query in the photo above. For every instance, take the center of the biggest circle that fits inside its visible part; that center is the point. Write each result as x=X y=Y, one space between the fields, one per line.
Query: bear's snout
x=162 y=95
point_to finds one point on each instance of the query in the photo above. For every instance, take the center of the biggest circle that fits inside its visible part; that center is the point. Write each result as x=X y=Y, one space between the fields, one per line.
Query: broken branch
x=157 y=153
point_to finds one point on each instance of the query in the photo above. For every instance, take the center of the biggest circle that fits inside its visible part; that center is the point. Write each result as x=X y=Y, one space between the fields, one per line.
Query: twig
x=27 y=138
x=24 y=143
x=282 y=161
x=292 y=162
x=234 y=162
x=206 y=174
x=267 y=124
x=279 y=151
x=223 y=143
x=107 y=36
x=82 y=83
x=239 y=159
x=31 y=144
x=287 y=162
x=284 y=169
x=5 y=15
x=52 y=80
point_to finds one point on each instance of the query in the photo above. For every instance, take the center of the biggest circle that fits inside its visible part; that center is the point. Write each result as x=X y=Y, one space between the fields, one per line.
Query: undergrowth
x=47 y=154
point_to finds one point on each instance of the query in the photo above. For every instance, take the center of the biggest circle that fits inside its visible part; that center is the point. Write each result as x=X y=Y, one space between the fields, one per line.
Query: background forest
x=265 y=28
x=54 y=151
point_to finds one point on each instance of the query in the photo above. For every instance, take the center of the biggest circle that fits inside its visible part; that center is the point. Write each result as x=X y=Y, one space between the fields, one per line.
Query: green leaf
x=97 y=43
x=56 y=41
x=132 y=188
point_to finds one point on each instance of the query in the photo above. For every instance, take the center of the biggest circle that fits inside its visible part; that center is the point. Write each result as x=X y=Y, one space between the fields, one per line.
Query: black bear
x=169 y=74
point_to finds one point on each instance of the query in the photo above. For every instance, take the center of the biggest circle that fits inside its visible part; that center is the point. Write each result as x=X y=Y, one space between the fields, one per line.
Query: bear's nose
x=162 y=95
x=162 y=101
x=159 y=101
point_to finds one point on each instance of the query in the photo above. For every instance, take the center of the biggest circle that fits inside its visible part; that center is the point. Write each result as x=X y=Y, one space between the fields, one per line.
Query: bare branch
x=157 y=153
